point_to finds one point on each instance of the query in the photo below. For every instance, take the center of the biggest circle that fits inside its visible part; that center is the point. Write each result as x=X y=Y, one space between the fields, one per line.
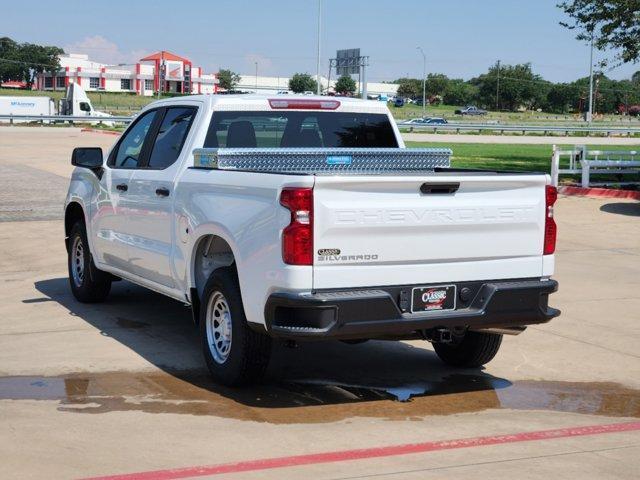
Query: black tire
x=474 y=350
x=245 y=359
x=92 y=285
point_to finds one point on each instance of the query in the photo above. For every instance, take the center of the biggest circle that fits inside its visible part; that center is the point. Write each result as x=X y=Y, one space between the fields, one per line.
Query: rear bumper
x=385 y=312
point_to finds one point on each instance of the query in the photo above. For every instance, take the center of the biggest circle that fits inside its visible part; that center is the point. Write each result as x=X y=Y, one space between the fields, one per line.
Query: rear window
x=296 y=129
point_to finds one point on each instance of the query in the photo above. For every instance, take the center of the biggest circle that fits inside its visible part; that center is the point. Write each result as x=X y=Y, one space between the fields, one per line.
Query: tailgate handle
x=439 y=188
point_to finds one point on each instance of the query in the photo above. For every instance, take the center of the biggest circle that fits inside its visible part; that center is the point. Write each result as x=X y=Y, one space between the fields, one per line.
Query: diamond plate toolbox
x=342 y=161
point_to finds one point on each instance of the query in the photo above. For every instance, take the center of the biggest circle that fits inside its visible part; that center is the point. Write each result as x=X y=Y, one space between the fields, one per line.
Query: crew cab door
x=152 y=225
x=111 y=212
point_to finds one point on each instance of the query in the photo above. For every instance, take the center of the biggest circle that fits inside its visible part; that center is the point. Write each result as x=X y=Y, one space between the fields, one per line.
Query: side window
x=171 y=136
x=130 y=147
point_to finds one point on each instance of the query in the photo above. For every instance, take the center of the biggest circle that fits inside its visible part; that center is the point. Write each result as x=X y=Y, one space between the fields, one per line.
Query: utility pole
x=590 y=113
x=256 y=76
x=318 y=87
x=424 y=82
x=498 y=87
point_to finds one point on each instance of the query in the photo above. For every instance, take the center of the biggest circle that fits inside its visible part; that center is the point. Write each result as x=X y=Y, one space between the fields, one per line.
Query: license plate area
x=432 y=298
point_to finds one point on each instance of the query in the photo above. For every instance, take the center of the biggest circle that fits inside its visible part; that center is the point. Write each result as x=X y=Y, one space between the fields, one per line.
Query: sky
x=461 y=38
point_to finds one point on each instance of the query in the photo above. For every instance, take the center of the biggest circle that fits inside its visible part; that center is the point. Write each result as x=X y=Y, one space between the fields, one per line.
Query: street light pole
x=590 y=113
x=498 y=88
x=424 y=81
x=256 y=76
x=318 y=87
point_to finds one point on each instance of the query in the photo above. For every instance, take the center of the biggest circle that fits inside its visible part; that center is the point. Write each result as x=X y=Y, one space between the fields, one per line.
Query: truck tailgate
x=409 y=229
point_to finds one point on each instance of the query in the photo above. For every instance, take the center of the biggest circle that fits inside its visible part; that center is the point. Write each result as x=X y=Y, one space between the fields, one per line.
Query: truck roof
x=260 y=102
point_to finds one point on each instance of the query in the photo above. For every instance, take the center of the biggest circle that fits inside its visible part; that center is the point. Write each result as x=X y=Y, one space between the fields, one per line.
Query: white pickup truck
x=305 y=218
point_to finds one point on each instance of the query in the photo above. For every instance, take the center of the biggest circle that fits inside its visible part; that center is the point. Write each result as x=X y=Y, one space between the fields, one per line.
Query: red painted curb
x=94 y=130
x=360 y=454
x=600 y=192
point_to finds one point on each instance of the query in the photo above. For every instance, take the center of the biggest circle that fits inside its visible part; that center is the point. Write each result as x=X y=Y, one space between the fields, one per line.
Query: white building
x=164 y=70
x=273 y=85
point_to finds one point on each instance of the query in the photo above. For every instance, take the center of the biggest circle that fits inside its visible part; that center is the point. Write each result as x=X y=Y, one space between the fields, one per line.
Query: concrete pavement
x=120 y=387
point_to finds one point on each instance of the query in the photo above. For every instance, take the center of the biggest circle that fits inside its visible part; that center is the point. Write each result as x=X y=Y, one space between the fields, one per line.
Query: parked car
x=435 y=121
x=352 y=238
x=471 y=110
x=398 y=102
x=414 y=121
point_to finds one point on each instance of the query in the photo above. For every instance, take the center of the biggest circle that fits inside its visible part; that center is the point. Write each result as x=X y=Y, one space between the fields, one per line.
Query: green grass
x=505 y=156
x=528 y=117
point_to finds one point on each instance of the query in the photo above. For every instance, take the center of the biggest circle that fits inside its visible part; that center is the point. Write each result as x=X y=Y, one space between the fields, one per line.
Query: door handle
x=162 y=192
x=439 y=188
x=122 y=187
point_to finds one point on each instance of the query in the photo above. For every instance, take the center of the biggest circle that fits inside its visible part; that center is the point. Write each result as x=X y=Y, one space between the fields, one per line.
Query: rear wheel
x=235 y=354
x=473 y=350
x=88 y=284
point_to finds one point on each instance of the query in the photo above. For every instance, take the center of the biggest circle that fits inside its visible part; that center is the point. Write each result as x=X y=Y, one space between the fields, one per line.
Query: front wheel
x=235 y=354
x=88 y=284
x=473 y=350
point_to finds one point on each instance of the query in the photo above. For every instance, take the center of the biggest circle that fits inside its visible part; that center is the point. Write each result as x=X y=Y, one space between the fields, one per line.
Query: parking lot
x=121 y=388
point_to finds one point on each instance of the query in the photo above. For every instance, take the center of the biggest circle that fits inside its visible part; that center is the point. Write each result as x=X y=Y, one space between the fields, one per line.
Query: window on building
x=171 y=136
x=94 y=82
x=148 y=84
x=125 y=84
x=48 y=82
x=59 y=82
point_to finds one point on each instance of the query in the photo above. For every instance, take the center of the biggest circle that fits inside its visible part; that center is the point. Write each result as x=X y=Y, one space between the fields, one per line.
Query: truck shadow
x=631 y=209
x=314 y=374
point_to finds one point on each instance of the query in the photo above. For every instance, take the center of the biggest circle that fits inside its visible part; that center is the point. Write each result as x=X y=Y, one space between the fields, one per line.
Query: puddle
x=317 y=401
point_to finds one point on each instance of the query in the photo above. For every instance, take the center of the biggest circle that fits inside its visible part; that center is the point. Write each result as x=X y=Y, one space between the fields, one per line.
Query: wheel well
x=72 y=214
x=211 y=252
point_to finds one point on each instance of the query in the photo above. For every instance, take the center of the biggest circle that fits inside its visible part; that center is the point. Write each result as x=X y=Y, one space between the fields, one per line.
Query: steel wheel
x=77 y=261
x=218 y=322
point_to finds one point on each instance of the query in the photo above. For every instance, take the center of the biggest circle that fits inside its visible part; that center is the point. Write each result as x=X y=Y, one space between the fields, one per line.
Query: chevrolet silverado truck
x=305 y=218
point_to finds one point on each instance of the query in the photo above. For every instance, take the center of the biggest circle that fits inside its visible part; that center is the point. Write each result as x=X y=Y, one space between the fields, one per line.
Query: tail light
x=550 y=228
x=297 y=237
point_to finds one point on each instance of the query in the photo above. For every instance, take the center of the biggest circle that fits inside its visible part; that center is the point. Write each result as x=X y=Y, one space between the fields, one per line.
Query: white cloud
x=102 y=50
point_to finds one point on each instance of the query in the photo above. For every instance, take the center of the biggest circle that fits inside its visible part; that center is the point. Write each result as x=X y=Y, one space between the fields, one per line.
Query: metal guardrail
x=502 y=128
x=65 y=118
x=457 y=127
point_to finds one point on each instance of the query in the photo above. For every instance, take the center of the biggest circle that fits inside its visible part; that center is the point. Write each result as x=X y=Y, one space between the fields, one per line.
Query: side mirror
x=87 y=157
x=85 y=107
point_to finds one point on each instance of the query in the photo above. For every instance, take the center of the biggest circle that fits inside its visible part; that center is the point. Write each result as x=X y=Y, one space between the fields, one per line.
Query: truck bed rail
x=322 y=160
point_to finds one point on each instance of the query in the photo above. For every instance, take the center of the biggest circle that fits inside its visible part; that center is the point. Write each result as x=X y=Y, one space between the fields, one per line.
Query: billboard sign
x=348 y=61
x=174 y=70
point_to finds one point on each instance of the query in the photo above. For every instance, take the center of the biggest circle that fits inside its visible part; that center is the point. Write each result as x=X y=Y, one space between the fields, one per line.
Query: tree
x=436 y=84
x=302 y=82
x=519 y=87
x=228 y=80
x=409 y=87
x=563 y=97
x=23 y=61
x=345 y=85
x=613 y=24
x=459 y=92
x=635 y=78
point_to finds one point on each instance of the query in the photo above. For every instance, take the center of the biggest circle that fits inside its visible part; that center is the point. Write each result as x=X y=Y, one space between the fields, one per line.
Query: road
x=120 y=387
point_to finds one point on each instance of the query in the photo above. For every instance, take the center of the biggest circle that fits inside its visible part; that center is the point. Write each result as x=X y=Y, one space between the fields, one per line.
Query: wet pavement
x=316 y=401
x=121 y=386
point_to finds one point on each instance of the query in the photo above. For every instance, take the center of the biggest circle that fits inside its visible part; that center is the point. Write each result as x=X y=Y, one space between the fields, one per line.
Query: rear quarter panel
x=243 y=209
